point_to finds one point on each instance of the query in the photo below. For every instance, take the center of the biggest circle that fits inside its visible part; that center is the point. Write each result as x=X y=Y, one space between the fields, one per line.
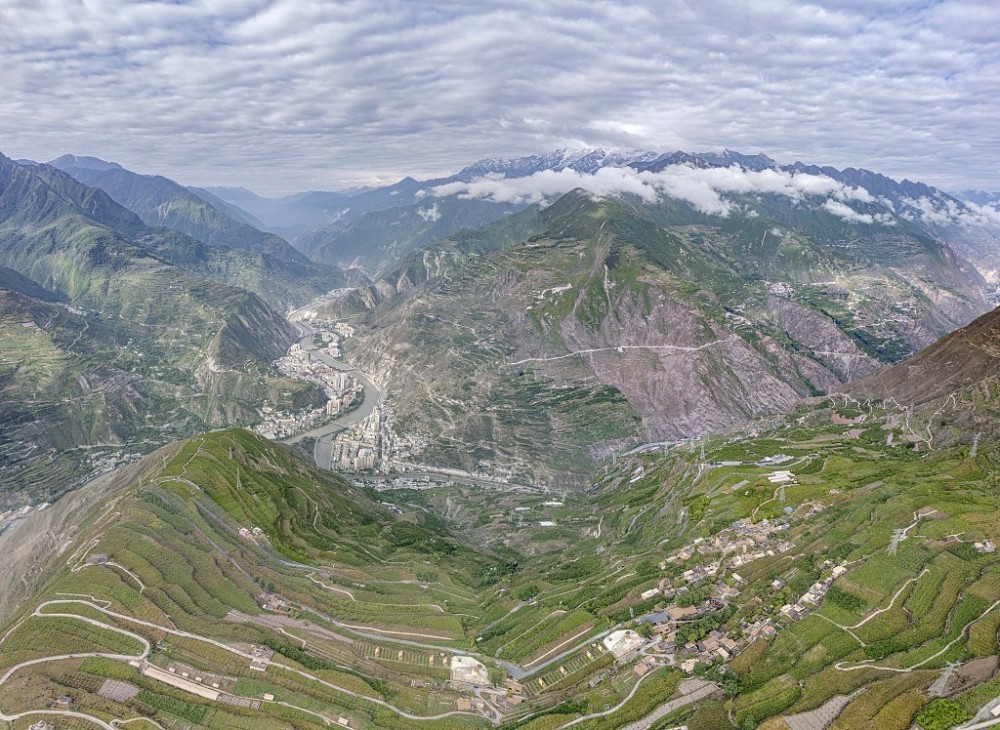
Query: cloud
x=947 y=212
x=703 y=188
x=283 y=95
x=846 y=212
x=430 y=214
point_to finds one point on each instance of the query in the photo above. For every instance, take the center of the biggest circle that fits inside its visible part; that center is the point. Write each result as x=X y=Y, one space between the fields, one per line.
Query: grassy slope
x=335 y=553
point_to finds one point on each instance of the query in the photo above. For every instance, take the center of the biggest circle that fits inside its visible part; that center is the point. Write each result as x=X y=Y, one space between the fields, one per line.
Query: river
x=322 y=451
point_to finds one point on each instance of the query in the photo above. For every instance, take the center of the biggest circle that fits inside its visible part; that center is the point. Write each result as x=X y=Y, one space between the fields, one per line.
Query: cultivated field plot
x=574 y=668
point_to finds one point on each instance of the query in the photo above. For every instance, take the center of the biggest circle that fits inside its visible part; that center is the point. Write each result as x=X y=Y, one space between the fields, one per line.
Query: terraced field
x=238 y=563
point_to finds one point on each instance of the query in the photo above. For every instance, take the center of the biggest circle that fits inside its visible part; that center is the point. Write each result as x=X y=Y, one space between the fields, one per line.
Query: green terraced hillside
x=863 y=571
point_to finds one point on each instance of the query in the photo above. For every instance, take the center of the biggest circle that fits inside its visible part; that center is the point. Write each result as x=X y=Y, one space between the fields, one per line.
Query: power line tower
x=781 y=493
x=975 y=446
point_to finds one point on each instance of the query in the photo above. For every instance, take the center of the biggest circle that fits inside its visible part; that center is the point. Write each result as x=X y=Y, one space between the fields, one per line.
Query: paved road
x=981 y=725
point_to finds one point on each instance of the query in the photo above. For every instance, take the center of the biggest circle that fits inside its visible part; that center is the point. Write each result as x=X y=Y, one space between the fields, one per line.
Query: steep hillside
x=953 y=384
x=233 y=211
x=222 y=582
x=159 y=201
x=224 y=543
x=135 y=352
x=624 y=321
x=181 y=228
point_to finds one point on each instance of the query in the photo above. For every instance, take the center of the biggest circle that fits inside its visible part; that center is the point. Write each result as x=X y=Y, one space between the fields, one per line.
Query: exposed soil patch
x=975 y=672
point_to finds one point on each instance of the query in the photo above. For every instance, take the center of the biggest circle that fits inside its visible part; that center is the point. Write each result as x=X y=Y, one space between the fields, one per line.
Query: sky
x=287 y=95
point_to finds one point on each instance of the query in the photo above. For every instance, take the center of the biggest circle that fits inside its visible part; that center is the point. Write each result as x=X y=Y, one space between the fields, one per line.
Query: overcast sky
x=285 y=95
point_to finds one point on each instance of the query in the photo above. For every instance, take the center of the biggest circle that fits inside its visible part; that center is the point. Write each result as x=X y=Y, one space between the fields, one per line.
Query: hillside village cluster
x=719 y=558
x=702 y=578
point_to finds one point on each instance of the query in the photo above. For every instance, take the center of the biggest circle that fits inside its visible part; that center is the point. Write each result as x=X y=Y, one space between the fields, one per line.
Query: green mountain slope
x=178 y=226
x=140 y=352
x=358 y=573
x=221 y=544
x=159 y=201
x=620 y=321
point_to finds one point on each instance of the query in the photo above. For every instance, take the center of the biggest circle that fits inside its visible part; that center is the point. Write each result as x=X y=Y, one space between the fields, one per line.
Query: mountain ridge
x=675 y=323
x=106 y=345
x=975 y=236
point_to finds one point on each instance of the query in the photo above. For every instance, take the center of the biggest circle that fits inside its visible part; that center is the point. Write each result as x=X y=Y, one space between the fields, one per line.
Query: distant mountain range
x=589 y=298
x=229 y=248
x=375 y=229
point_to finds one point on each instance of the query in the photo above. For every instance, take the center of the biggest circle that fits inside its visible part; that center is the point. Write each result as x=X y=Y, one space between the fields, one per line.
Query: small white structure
x=468 y=670
x=623 y=642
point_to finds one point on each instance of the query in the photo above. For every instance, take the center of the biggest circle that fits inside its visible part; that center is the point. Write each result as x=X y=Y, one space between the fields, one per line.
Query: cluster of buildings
x=278 y=424
x=718 y=558
x=735 y=546
x=715 y=646
x=272 y=602
x=367 y=446
x=470 y=704
x=812 y=597
x=343 y=392
x=250 y=534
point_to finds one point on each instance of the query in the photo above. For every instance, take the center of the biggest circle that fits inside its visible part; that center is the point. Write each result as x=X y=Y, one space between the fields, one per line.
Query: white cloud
x=703 y=188
x=291 y=95
x=948 y=212
x=430 y=214
x=841 y=210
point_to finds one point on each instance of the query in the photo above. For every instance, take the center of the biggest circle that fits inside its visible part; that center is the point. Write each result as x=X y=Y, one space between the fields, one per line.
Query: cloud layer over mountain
x=703 y=188
x=291 y=94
